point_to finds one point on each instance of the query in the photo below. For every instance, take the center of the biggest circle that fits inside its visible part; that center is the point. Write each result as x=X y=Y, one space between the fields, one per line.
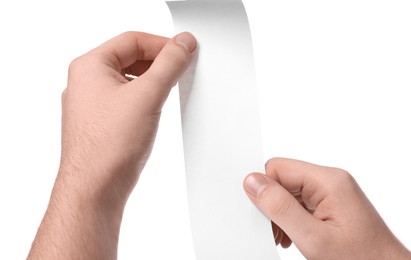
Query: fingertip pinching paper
x=221 y=132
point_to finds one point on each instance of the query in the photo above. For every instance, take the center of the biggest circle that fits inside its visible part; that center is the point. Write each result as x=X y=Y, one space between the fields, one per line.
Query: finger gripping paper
x=221 y=133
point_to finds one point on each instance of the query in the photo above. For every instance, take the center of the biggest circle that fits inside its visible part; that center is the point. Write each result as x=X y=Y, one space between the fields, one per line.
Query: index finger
x=125 y=49
x=303 y=179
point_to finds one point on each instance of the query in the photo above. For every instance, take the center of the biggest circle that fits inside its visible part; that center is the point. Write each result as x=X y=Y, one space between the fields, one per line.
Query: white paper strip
x=221 y=133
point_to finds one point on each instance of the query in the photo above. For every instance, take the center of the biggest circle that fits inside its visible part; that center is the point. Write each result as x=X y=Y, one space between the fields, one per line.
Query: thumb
x=169 y=65
x=172 y=60
x=281 y=207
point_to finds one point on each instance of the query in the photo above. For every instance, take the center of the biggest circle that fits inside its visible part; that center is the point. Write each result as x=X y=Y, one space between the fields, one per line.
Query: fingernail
x=255 y=184
x=186 y=40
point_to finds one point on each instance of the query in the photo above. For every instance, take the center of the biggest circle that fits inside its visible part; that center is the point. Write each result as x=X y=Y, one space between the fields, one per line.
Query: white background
x=334 y=84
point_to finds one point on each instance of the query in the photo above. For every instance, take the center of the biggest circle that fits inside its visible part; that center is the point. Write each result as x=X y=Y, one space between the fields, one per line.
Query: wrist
x=81 y=222
x=97 y=188
x=389 y=247
x=398 y=251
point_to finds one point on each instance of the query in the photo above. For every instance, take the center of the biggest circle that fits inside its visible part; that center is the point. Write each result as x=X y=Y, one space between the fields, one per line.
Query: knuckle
x=343 y=176
x=63 y=95
x=269 y=162
x=76 y=65
x=279 y=203
x=341 y=180
x=272 y=162
x=276 y=161
x=130 y=34
x=273 y=165
x=85 y=64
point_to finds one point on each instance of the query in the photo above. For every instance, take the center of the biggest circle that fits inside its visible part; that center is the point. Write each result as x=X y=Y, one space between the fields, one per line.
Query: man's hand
x=323 y=211
x=109 y=125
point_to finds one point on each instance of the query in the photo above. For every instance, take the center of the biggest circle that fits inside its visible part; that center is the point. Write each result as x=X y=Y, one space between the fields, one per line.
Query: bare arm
x=109 y=125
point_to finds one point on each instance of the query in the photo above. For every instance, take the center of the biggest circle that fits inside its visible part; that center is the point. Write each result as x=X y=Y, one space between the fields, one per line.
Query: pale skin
x=323 y=211
x=109 y=124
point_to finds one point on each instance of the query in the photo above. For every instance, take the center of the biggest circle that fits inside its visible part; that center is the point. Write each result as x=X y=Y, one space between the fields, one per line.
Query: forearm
x=109 y=125
x=80 y=223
